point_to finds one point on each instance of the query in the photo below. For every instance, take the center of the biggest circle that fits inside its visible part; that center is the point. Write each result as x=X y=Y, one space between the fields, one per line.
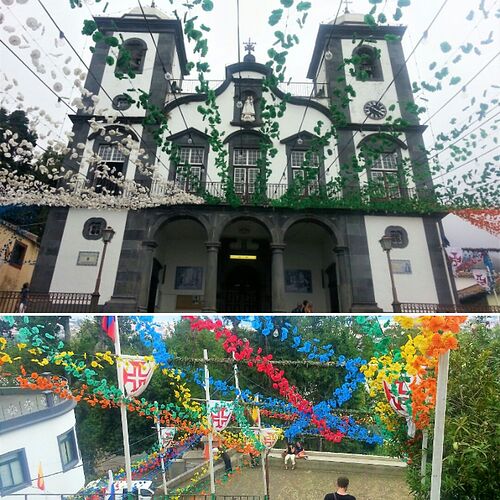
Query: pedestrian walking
x=23 y=303
x=290 y=456
x=341 y=493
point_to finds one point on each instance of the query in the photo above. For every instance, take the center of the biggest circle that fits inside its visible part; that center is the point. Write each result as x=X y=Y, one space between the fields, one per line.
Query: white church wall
x=40 y=443
x=418 y=286
x=71 y=277
x=371 y=90
x=115 y=86
x=185 y=252
x=304 y=256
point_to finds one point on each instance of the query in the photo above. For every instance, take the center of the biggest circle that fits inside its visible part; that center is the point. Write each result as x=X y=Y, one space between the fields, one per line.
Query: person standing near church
x=341 y=493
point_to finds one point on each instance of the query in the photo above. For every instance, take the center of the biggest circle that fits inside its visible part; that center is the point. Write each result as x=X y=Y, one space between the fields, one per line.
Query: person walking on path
x=290 y=456
x=341 y=493
x=23 y=303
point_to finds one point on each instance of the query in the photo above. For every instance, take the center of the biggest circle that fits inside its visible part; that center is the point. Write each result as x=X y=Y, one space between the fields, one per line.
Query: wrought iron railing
x=418 y=308
x=51 y=302
x=317 y=90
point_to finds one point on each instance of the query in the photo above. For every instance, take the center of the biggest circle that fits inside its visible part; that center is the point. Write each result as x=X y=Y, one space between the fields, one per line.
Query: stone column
x=146 y=265
x=210 y=296
x=344 y=278
x=278 y=278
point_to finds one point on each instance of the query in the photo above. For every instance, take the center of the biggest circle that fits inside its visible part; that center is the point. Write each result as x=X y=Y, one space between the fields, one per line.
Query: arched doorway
x=311 y=271
x=244 y=268
x=179 y=267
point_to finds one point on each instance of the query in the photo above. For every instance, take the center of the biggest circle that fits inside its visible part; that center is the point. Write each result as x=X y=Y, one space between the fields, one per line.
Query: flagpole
x=162 y=451
x=263 y=454
x=439 y=421
x=210 y=435
x=123 y=409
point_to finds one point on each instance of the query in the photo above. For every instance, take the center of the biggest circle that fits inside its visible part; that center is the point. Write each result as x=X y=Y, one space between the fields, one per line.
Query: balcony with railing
x=248 y=193
x=317 y=91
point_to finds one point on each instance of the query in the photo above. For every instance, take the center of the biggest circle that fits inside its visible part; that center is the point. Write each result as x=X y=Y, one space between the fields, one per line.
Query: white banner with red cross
x=398 y=395
x=167 y=436
x=220 y=413
x=481 y=277
x=269 y=436
x=136 y=372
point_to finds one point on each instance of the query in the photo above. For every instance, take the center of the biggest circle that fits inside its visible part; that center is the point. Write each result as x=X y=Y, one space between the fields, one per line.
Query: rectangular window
x=18 y=254
x=68 y=449
x=191 y=156
x=14 y=472
x=386 y=161
x=246 y=157
x=114 y=159
x=298 y=159
x=111 y=154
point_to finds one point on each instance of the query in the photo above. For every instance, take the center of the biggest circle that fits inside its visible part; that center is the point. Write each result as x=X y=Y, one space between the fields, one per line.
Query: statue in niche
x=248 y=112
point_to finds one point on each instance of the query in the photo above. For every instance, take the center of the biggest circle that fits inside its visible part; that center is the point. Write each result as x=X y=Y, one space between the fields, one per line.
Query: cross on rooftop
x=347 y=3
x=249 y=46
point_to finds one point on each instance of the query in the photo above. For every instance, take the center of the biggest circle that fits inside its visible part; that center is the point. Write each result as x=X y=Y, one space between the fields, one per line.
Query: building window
x=399 y=236
x=121 y=102
x=93 y=227
x=68 y=449
x=302 y=163
x=14 y=472
x=17 y=254
x=189 y=169
x=245 y=169
x=106 y=174
x=131 y=58
x=367 y=64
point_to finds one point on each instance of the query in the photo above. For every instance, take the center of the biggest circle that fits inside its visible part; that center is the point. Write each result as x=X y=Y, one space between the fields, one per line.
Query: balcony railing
x=246 y=192
x=52 y=302
x=417 y=308
x=296 y=89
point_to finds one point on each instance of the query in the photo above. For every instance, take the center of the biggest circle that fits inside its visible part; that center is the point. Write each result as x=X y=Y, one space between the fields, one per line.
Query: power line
x=59 y=99
x=467 y=162
x=460 y=90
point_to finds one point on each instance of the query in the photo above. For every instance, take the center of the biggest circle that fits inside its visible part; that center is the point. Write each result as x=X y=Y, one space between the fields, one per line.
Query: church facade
x=251 y=256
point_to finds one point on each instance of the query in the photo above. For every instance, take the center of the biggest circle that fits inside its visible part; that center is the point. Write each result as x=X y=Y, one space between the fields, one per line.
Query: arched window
x=131 y=57
x=367 y=63
x=383 y=161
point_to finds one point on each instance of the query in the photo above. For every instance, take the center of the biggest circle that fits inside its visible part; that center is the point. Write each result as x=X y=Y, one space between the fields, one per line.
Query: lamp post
x=107 y=236
x=386 y=244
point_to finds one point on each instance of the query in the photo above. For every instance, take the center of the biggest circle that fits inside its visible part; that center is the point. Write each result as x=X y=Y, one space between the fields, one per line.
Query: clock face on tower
x=375 y=110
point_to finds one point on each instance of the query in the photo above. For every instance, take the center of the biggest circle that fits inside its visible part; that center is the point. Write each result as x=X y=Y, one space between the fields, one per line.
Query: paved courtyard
x=305 y=483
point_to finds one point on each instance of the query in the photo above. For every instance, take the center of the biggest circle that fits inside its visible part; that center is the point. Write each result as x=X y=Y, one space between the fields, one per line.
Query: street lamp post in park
x=107 y=236
x=386 y=244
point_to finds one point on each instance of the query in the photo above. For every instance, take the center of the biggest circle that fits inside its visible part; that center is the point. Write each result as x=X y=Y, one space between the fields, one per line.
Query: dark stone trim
x=304 y=135
x=49 y=250
x=347 y=31
x=21 y=452
x=293 y=146
x=434 y=243
x=140 y=25
x=36 y=417
x=121 y=128
x=247 y=133
x=86 y=226
x=395 y=140
x=404 y=236
x=188 y=132
x=373 y=127
x=363 y=291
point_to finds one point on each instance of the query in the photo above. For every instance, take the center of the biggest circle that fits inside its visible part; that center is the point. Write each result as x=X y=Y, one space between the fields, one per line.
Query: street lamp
x=386 y=244
x=107 y=236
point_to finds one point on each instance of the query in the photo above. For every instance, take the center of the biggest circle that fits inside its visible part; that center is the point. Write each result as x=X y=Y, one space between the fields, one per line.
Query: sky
x=450 y=26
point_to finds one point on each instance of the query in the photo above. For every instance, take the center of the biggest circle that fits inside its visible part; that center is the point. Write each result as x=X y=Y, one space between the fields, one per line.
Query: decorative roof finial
x=153 y=4
x=249 y=47
x=347 y=2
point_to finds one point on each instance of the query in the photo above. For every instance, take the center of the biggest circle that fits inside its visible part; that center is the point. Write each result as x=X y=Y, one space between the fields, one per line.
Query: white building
x=258 y=255
x=37 y=429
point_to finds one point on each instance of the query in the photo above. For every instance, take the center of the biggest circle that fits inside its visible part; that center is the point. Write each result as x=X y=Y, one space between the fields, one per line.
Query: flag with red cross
x=220 y=414
x=136 y=372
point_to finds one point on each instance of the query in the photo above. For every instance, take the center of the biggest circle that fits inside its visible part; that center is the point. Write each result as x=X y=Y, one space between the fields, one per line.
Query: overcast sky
x=451 y=26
